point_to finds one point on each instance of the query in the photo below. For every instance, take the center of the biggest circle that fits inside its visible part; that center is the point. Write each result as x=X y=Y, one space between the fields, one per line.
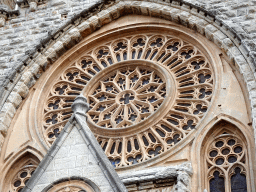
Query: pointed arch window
x=20 y=172
x=226 y=160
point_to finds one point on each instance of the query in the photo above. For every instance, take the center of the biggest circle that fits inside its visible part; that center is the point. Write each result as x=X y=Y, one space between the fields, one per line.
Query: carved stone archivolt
x=146 y=93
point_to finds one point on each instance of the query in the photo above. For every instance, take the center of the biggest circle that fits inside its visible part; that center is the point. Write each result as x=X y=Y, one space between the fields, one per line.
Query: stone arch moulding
x=234 y=127
x=83 y=24
x=76 y=182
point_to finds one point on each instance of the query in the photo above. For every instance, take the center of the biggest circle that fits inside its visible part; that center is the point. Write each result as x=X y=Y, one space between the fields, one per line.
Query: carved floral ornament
x=146 y=93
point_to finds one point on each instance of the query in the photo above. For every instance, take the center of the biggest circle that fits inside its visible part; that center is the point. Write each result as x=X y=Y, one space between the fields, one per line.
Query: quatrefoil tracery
x=122 y=96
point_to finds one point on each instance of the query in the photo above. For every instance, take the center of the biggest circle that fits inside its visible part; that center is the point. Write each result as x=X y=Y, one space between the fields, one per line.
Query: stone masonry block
x=5 y=119
x=82 y=161
x=233 y=52
x=1 y=141
x=200 y=25
x=175 y=14
x=144 y=6
x=84 y=29
x=62 y=173
x=80 y=149
x=47 y=178
x=184 y=16
x=94 y=22
x=51 y=54
x=75 y=172
x=154 y=10
x=114 y=11
x=104 y=17
x=75 y=34
x=21 y=89
x=209 y=31
x=3 y=132
x=218 y=38
x=227 y=44
x=63 y=152
x=67 y=41
x=42 y=61
x=28 y=79
x=34 y=69
x=165 y=10
x=65 y=163
x=15 y=99
x=9 y=109
x=251 y=85
x=59 y=48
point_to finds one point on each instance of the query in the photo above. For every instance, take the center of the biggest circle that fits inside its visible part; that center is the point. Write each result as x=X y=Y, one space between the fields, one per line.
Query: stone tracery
x=123 y=95
x=22 y=177
x=226 y=161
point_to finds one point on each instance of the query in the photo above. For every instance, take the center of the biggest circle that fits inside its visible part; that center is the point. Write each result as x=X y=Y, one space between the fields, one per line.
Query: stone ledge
x=181 y=174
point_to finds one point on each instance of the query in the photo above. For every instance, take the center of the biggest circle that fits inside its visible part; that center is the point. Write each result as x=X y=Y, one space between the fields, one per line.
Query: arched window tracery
x=226 y=160
x=20 y=172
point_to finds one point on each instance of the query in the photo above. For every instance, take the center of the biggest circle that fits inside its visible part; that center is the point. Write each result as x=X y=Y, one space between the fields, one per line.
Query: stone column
x=3 y=17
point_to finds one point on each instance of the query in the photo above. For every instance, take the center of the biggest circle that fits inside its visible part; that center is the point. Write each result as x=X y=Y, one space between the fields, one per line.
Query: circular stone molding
x=126 y=94
x=147 y=91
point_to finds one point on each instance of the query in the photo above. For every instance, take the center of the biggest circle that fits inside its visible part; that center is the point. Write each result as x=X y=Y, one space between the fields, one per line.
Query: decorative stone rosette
x=146 y=93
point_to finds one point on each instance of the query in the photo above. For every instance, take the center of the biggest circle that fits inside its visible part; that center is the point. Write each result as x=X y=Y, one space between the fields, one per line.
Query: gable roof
x=76 y=141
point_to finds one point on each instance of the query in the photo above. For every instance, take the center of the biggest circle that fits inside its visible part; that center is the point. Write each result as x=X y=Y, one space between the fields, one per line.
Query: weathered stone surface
x=15 y=99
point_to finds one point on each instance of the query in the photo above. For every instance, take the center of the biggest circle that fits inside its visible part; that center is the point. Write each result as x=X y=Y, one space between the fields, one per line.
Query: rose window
x=126 y=97
x=146 y=94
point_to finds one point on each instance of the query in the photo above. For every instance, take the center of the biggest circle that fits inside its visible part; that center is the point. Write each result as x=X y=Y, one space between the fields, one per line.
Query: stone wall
x=23 y=32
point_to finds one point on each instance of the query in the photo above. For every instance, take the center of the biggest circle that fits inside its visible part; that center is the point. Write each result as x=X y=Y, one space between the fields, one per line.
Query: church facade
x=118 y=95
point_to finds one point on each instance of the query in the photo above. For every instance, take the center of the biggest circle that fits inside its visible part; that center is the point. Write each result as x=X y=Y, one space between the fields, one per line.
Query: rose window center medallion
x=126 y=97
x=146 y=92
